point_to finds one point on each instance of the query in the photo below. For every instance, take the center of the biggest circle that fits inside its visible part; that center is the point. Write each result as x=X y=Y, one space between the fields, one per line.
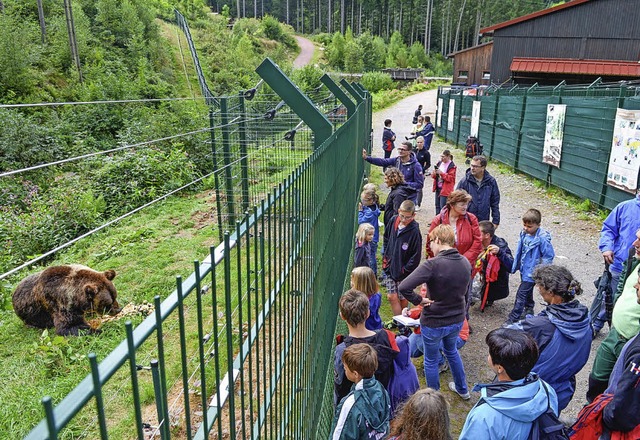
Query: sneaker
x=527 y=311
x=443 y=367
x=507 y=323
x=465 y=396
x=418 y=208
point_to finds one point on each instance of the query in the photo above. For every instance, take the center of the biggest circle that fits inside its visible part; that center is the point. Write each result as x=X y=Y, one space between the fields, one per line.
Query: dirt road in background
x=306 y=52
x=574 y=235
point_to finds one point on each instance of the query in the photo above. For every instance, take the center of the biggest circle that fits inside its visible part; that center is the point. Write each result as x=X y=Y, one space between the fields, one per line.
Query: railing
x=512 y=127
x=242 y=347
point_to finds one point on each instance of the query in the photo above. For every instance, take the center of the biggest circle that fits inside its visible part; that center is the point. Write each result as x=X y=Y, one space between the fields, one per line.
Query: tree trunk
x=329 y=16
x=360 y=18
x=455 y=44
x=342 y=17
x=255 y=8
x=238 y=8
x=43 y=29
x=353 y=6
x=476 y=36
x=319 y=4
x=287 y=12
x=73 y=45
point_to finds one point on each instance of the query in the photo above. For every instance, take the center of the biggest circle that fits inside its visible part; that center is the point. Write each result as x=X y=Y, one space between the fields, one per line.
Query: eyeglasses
x=405 y=217
x=402 y=149
x=477 y=166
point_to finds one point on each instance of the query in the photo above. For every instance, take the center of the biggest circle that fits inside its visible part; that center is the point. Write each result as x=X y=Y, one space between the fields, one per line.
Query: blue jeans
x=441 y=201
x=416 y=347
x=373 y=261
x=432 y=338
x=524 y=299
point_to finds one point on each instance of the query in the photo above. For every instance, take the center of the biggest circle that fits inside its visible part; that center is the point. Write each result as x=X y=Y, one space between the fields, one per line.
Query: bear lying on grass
x=60 y=296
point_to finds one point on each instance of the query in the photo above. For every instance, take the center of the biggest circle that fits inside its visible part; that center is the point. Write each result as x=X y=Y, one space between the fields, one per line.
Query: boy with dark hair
x=498 y=247
x=388 y=137
x=354 y=309
x=364 y=412
x=510 y=404
x=402 y=252
x=534 y=248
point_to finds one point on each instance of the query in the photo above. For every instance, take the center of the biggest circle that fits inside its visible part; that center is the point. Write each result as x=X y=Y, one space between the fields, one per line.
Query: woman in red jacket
x=444 y=179
x=468 y=236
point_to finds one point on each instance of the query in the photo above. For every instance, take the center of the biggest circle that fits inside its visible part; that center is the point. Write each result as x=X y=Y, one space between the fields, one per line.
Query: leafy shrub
x=272 y=29
x=307 y=77
x=376 y=81
x=134 y=178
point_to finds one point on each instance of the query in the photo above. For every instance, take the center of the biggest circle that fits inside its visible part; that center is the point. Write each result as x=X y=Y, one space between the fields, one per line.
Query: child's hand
x=405 y=311
x=427 y=302
x=493 y=249
x=360 y=206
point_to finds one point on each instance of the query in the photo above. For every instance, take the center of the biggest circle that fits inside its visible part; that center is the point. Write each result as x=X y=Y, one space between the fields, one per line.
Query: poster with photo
x=439 y=110
x=624 y=162
x=452 y=112
x=475 y=119
x=553 y=134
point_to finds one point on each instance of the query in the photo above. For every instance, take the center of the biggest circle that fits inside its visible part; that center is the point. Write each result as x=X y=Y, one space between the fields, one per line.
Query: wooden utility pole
x=71 y=30
x=43 y=30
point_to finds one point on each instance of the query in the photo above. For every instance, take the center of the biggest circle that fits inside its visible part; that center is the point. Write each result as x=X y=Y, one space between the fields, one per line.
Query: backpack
x=473 y=148
x=547 y=426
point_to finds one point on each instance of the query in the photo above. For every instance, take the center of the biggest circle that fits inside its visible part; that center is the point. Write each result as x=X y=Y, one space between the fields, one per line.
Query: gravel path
x=306 y=52
x=574 y=235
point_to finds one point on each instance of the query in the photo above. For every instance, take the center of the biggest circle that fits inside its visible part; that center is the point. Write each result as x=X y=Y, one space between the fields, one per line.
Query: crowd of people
x=534 y=357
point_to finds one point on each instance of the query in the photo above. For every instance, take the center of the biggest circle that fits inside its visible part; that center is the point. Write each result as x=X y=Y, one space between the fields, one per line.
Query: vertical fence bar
x=97 y=392
x=493 y=126
x=165 y=428
x=216 y=340
x=158 y=390
x=47 y=403
x=133 y=371
x=229 y=333
x=201 y=341
x=240 y=326
x=250 y=240
x=183 y=358
x=244 y=161
x=226 y=149
x=216 y=175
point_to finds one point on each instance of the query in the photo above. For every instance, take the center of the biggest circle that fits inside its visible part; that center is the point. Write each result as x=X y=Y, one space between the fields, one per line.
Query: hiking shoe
x=528 y=311
x=443 y=367
x=465 y=396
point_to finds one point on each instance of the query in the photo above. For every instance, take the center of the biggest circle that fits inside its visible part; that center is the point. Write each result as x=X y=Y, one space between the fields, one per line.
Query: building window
x=486 y=75
x=463 y=74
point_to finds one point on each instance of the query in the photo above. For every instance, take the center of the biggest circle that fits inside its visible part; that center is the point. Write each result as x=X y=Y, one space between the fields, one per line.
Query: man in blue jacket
x=483 y=188
x=616 y=237
x=406 y=162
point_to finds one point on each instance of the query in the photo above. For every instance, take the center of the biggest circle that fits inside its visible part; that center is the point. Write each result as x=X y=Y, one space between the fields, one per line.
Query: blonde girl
x=424 y=416
x=368 y=212
x=364 y=280
x=362 y=254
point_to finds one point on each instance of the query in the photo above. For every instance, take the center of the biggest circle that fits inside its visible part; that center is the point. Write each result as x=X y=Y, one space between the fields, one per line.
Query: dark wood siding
x=599 y=29
x=475 y=61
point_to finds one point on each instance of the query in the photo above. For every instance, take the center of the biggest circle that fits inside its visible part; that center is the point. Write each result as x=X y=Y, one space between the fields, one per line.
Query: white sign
x=475 y=119
x=439 y=110
x=553 y=134
x=452 y=111
x=623 y=161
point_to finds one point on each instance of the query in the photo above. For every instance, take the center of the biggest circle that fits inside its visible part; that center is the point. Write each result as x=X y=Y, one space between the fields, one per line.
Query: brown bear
x=60 y=296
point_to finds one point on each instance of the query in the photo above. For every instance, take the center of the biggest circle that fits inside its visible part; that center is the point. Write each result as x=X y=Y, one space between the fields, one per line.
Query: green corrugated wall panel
x=485 y=129
x=442 y=130
x=532 y=139
x=465 y=119
x=507 y=128
x=586 y=144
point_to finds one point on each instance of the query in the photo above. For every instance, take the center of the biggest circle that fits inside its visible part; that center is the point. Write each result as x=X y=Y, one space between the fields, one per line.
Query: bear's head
x=101 y=293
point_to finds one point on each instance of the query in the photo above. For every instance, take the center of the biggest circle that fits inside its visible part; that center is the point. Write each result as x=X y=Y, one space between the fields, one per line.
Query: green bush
x=307 y=77
x=134 y=178
x=376 y=81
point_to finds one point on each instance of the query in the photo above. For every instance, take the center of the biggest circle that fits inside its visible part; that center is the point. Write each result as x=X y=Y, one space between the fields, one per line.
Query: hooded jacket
x=363 y=414
x=387 y=139
x=411 y=170
x=507 y=410
x=619 y=231
x=404 y=381
x=370 y=214
x=621 y=414
x=534 y=252
x=499 y=289
x=427 y=132
x=403 y=249
x=383 y=341
x=563 y=333
x=485 y=196
x=448 y=181
x=396 y=196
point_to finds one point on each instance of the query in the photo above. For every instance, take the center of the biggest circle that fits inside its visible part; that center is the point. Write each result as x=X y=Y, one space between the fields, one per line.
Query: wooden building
x=472 y=65
x=577 y=42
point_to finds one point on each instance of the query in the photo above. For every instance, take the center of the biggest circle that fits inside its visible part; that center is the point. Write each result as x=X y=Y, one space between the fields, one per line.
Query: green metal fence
x=242 y=348
x=512 y=129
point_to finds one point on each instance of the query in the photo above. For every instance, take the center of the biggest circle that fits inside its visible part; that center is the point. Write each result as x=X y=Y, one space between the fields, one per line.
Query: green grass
x=386 y=98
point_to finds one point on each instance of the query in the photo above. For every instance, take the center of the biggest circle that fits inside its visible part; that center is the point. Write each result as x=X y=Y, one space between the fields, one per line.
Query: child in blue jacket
x=534 y=248
x=369 y=212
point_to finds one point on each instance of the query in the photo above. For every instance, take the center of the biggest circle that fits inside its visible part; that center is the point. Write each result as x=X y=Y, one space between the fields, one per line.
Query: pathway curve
x=306 y=52
x=574 y=235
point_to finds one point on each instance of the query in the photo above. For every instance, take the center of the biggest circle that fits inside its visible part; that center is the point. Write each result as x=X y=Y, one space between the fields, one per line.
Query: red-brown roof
x=505 y=24
x=578 y=67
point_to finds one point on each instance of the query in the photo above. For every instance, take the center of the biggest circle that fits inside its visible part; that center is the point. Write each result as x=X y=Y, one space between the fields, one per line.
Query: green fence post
x=216 y=176
x=338 y=93
x=522 y=112
x=354 y=92
x=244 y=161
x=459 y=118
x=226 y=152
x=296 y=100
